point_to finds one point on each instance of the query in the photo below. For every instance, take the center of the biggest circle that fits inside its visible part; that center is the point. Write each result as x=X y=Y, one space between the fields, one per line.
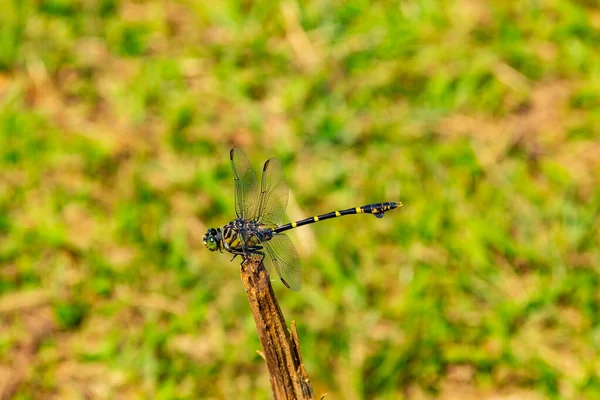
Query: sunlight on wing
x=281 y=253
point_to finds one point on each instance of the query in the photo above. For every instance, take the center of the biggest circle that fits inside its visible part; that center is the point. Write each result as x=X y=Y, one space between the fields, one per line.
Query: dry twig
x=281 y=349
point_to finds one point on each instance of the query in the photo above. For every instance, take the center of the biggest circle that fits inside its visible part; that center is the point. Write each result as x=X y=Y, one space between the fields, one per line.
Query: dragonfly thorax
x=240 y=236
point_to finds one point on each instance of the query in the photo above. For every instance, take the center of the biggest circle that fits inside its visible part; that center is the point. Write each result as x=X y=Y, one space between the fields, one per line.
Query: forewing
x=274 y=194
x=282 y=256
x=245 y=185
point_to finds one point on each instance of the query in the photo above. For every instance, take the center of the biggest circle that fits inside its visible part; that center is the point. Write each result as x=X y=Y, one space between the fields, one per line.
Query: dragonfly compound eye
x=210 y=239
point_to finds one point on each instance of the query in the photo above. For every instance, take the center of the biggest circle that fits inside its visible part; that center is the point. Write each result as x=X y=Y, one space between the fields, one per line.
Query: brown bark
x=281 y=349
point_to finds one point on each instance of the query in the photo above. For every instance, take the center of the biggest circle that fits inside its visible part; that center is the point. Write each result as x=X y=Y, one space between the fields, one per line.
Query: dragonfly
x=258 y=228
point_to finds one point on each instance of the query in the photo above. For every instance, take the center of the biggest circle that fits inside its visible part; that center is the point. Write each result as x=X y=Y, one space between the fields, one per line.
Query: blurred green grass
x=116 y=118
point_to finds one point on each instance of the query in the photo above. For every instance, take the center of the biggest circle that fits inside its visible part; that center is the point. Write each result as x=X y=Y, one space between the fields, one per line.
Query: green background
x=116 y=119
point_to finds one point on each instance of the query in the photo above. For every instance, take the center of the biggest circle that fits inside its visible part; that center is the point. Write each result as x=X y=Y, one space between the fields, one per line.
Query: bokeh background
x=116 y=119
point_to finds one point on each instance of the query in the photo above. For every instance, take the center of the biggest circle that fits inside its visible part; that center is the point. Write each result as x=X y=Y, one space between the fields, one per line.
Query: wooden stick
x=281 y=349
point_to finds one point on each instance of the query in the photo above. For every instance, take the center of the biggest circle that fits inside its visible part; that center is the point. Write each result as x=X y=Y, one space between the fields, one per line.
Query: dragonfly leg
x=257 y=250
x=236 y=253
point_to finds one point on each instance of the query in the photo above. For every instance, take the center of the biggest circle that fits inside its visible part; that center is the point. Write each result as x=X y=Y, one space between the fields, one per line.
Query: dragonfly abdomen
x=378 y=209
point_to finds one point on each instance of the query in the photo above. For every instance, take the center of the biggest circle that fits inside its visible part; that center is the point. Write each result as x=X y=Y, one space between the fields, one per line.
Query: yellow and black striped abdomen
x=377 y=209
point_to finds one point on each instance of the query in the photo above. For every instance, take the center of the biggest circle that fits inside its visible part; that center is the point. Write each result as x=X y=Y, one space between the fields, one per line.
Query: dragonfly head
x=213 y=239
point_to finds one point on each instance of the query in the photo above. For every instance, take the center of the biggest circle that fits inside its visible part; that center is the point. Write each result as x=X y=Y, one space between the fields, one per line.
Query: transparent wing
x=274 y=194
x=282 y=256
x=245 y=185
